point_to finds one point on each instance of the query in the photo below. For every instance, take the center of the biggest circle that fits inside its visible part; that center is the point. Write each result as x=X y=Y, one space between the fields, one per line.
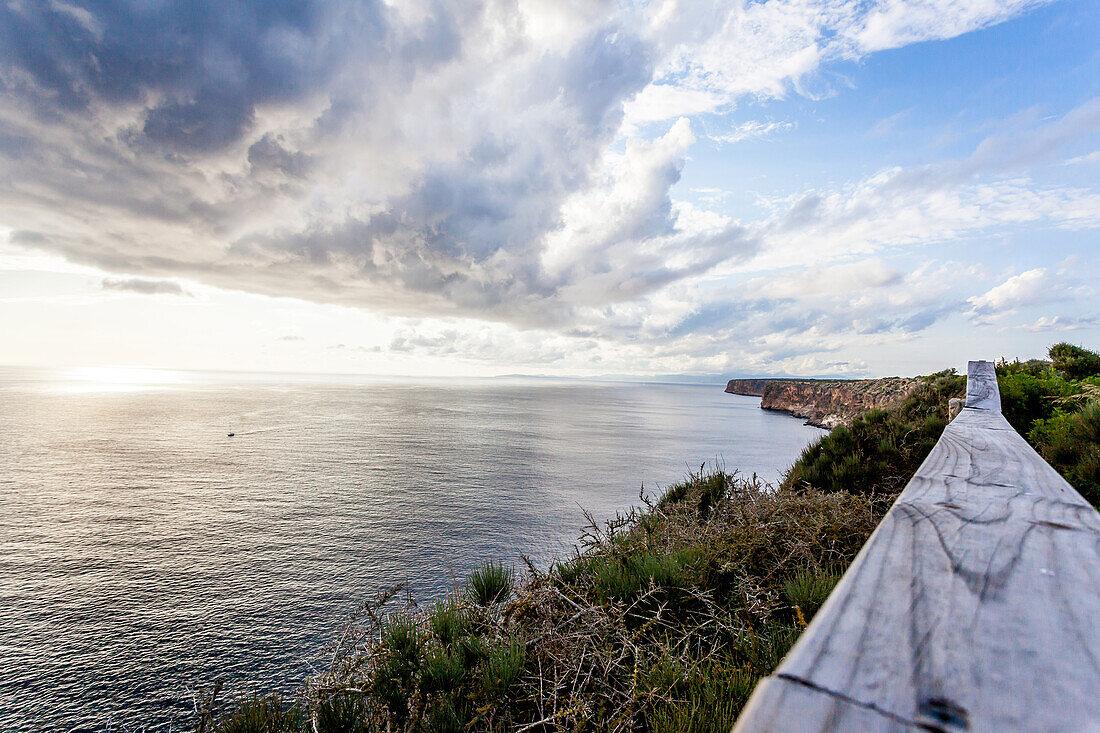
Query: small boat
x=230 y=435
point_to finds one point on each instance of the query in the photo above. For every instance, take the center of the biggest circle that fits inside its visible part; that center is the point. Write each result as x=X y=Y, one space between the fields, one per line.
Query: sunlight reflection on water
x=143 y=551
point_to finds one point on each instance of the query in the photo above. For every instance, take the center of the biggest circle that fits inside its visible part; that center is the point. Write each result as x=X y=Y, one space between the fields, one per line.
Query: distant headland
x=824 y=403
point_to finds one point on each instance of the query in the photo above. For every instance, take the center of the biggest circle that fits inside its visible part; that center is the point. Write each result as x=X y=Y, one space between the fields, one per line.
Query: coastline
x=824 y=403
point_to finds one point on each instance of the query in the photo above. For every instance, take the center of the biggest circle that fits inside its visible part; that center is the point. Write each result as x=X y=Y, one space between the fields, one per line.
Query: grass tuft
x=448 y=621
x=502 y=667
x=341 y=713
x=444 y=670
x=490 y=584
x=807 y=591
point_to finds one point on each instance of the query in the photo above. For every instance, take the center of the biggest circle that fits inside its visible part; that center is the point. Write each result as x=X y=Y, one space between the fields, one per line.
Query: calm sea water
x=143 y=552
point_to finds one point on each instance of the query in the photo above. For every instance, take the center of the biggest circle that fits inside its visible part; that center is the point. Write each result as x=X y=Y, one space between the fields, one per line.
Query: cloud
x=851 y=279
x=1031 y=288
x=1045 y=324
x=887 y=125
x=494 y=163
x=891 y=25
x=1035 y=287
x=751 y=130
x=1027 y=288
x=1088 y=158
x=145 y=287
x=903 y=207
x=491 y=343
x=998 y=154
x=717 y=53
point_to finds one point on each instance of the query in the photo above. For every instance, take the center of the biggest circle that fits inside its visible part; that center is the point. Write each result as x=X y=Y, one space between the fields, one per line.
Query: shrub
x=502 y=666
x=622 y=577
x=399 y=663
x=707 y=698
x=763 y=650
x=262 y=715
x=443 y=717
x=448 y=621
x=341 y=714
x=579 y=642
x=881 y=450
x=471 y=650
x=402 y=640
x=492 y=583
x=674 y=494
x=444 y=670
x=1054 y=404
x=1075 y=362
x=1027 y=397
x=1070 y=442
x=570 y=571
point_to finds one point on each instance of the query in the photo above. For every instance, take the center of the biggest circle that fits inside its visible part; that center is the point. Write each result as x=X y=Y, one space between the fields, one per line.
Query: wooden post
x=975 y=605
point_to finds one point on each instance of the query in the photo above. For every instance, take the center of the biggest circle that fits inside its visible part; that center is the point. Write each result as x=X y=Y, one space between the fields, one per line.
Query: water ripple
x=143 y=552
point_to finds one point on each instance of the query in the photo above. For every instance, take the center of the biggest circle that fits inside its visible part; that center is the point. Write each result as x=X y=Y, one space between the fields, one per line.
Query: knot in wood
x=941 y=714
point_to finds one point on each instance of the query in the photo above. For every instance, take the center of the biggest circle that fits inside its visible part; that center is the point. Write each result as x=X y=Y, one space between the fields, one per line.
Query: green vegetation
x=1056 y=406
x=665 y=618
x=263 y=715
x=1074 y=362
x=807 y=591
x=663 y=621
x=491 y=584
x=879 y=452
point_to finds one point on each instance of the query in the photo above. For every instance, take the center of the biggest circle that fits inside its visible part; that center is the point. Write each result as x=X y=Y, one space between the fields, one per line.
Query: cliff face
x=824 y=403
x=750 y=387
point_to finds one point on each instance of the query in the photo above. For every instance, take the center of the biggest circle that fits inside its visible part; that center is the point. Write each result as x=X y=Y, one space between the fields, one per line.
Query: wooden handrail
x=975 y=605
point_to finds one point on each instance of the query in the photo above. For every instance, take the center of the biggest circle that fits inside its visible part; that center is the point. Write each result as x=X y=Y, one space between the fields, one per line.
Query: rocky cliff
x=750 y=387
x=825 y=403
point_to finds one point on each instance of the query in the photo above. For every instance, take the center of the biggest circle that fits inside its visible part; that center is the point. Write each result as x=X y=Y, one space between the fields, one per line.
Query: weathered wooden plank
x=974 y=605
x=783 y=704
x=982 y=392
x=982 y=451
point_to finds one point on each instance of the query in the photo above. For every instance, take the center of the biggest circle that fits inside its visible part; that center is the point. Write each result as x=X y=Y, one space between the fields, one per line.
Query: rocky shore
x=824 y=403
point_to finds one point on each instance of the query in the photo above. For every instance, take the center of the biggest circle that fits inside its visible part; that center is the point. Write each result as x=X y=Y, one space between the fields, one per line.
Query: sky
x=789 y=187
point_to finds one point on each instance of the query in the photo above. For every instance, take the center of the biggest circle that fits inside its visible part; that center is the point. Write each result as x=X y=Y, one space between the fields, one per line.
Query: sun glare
x=117 y=379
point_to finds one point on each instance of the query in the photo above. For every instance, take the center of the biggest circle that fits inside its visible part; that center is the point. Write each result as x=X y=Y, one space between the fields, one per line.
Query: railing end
x=982 y=392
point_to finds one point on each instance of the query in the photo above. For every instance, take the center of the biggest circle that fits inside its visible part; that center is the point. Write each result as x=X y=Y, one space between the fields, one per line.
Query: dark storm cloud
x=22 y=236
x=462 y=234
x=268 y=153
x=145 y=287
x=206 y=65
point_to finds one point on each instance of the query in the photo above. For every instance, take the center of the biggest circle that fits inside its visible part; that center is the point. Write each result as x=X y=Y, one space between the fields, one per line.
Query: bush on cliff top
x=1056 y=405
x=1074 y=362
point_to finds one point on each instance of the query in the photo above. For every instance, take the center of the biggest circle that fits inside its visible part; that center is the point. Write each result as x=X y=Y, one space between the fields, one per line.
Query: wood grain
x=975 y=605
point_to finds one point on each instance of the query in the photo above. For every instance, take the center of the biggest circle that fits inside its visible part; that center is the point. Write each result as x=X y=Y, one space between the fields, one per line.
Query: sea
x=145 y=554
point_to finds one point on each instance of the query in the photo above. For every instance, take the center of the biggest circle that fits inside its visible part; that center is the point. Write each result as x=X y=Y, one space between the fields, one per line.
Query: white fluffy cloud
x=1027 y=288
x=714 y=53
